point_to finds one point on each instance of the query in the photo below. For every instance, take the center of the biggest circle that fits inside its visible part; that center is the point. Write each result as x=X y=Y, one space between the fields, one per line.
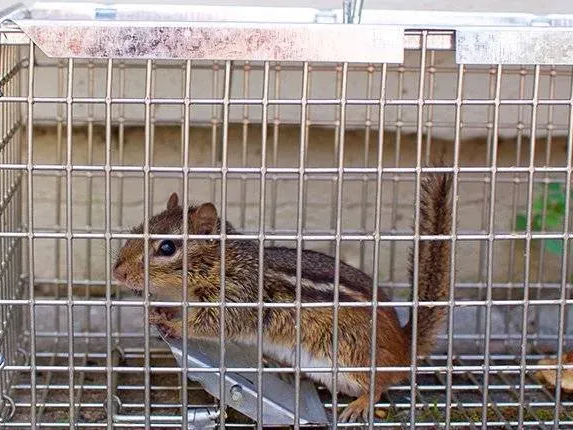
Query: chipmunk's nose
x=120 y=271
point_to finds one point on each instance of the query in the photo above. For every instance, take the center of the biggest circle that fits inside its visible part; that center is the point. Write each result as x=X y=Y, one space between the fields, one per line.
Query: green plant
x=554 y=209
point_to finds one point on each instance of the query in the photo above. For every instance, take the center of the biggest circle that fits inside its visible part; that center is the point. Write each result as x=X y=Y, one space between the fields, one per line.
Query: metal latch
x=105 y=13
x=326 y=16
x=198 y=418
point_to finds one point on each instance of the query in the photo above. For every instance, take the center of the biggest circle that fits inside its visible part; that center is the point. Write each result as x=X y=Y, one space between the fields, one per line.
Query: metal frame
x=91 y=30
x=471 y=380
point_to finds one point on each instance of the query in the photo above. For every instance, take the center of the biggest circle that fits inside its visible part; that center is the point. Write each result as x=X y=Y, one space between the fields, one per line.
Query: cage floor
x=53 y=395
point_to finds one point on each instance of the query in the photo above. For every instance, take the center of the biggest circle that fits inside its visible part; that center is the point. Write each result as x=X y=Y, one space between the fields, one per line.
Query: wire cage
x=305 y=128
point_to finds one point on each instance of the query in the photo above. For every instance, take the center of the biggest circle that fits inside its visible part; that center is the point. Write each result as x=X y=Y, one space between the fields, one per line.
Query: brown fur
x=241 y=275
x=433 y=260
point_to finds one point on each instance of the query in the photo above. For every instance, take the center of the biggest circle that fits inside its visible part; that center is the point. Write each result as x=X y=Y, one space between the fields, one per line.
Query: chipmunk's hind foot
x=360 y=409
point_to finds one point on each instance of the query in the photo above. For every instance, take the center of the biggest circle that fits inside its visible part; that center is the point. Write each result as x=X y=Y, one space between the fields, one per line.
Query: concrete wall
x=88 y=204
x=440 y=84
x=439 y=122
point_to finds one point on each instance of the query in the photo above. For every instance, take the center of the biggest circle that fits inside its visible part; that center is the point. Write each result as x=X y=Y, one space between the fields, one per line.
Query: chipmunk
x=317 y=285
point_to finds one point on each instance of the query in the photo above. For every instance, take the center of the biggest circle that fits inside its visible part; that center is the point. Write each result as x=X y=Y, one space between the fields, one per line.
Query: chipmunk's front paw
x=167 y=326
x=168 y=312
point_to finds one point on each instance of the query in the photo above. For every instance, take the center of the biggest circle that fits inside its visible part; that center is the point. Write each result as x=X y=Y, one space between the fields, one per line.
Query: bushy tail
x=434 y=258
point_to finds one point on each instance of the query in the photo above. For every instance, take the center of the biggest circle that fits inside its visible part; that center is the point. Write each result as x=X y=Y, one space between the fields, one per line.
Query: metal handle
x=352 y=11
x=357 y=11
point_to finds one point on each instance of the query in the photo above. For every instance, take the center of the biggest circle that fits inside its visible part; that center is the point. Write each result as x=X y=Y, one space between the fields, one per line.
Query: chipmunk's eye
x=167 y=248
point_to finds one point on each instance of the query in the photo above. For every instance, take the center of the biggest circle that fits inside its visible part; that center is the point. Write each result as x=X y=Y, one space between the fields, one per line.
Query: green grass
x=547 y=214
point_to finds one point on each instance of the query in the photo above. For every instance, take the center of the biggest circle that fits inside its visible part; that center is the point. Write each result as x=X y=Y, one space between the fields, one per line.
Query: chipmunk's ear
x=173 y=201
x=203 y=220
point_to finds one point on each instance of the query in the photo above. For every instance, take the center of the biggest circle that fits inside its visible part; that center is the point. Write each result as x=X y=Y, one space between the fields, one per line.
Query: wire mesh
x=292 y=154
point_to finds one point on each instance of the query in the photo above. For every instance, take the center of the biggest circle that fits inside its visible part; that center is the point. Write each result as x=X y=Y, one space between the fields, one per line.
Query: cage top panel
x=98 y=30
x=90 y=30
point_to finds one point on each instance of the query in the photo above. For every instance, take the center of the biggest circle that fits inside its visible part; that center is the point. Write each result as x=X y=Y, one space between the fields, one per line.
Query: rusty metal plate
x=220 y=41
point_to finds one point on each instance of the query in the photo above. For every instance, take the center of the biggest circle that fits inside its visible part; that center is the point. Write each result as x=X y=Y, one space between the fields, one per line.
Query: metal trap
x=313 y=136
x=241 y=388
